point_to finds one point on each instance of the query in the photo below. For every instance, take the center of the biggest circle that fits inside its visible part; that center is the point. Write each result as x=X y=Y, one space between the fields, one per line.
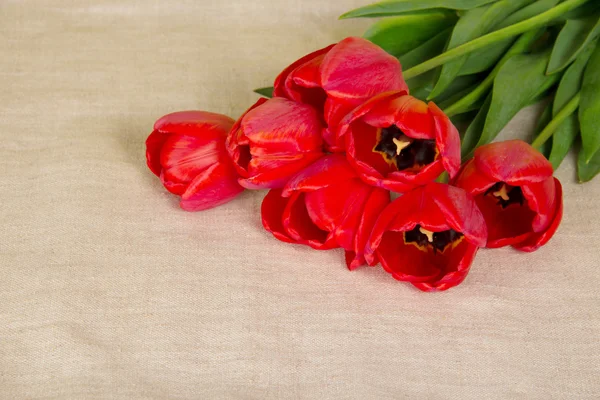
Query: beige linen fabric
x=110 y=291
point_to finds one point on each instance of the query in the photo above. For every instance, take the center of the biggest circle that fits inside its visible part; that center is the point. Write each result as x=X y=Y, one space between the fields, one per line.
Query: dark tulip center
x=506 y=194
x=404 y=152
x=425 y=239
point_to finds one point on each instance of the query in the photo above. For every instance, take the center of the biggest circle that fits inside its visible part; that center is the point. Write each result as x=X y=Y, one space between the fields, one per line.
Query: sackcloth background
x=109 y=291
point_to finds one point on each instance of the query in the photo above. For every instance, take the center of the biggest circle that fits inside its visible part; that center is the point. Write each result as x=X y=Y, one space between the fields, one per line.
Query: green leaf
x=427 y=50
x=569 y=86
x=460 y=84
x=589 y=109
x=587 y=170
x=521 y=46
x=265 y=92
x=572 y=39
x=544 y=120
x=563 y=139
x=582 y=11
x=494 y=37
x=485 y=58
x=459 y=95
x=520 y=81
x=398 y=35
x=473 y=133
x=471 y=25
x=397 y=7
x=420 y=86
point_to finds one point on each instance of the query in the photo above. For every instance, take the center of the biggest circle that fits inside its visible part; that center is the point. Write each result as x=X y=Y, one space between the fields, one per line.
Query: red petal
x=304 y=84
x=265 y=173
x=360 y=142
x=404 y=261
x=212 y=187
x=376 y=203
x=472 y=180
x=356 y=68
x=403 y=181
x=513 y=161
x=460 y=211
x=184 y=157
x=326 y=171
x=460 y=262
x=505 y=226
x=299 y=226
x=272 y=209
x=282 y=127
x=154 y=144
x=536 y=240
x=541 y=197
x=237 y=144
x=447 y=140
x=280 y=89
x=404 y=214
x=408 y=113
x=205 y=124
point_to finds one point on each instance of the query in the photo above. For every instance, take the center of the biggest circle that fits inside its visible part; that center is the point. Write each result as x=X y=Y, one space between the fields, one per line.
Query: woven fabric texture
x=110 y=291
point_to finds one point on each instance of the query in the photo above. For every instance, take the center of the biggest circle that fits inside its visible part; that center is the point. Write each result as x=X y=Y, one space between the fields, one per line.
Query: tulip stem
x=493 y=37
x=549 y=130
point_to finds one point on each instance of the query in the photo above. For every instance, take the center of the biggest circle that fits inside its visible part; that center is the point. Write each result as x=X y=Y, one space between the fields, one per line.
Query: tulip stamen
x=426 y=240
x=401 y=143
x=506 y=194
x=427 y=233
x=502 y=193
x=405 y=153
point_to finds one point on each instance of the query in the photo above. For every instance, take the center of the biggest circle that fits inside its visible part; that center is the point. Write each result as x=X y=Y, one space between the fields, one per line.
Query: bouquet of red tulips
x=339 y=137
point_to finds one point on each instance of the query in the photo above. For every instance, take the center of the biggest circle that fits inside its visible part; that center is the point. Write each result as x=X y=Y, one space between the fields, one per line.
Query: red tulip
x=428 y=237
x=325 y=206
x=273 y=141
x=187 y=152
x=339 y=78
x=398 y=142
x=514 y=188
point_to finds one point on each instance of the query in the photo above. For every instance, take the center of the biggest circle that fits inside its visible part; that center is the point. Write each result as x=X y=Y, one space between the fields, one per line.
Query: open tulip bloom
x=339 y=136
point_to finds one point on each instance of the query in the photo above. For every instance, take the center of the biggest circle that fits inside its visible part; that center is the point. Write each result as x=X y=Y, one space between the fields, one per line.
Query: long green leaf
x=471 y=25
x=520 y=81
x=585 y=10
x=398 y=35
x=589 y=110
x=485 y=58
x=572 y=39
x=522 y=45
x=427 y=50
x=397 y=7
x=543 y=121
x=473 y=133
x=587 y=170
x=494 y=37
x=265 y=92
x=569 y=86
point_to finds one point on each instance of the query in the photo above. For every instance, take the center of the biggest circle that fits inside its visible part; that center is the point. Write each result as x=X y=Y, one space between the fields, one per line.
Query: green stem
x=490 y=38
x=481 y=90
x=549 y=130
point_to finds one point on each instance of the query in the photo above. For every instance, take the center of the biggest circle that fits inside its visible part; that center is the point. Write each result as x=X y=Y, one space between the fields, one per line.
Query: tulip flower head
x=274 y=140
x=187 y=152
x=338 y=78
x=325 y=206
x=428 y=237
x=516 y=192
x=399 y=142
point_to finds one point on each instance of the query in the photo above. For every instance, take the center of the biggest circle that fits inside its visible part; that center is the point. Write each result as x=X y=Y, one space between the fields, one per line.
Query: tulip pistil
x=437 y=241
x=506 y=194
x=406 y=153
